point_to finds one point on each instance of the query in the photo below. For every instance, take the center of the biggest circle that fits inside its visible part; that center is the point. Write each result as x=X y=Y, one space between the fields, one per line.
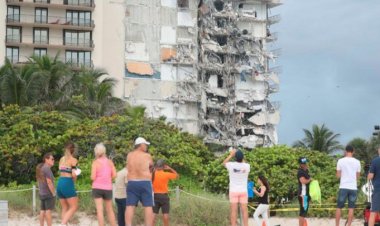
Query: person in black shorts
x=304 y=179
x=45 y=179
x=162 y=174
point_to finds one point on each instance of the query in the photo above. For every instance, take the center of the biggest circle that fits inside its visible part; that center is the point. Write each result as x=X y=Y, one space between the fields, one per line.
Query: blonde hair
x=99 y=150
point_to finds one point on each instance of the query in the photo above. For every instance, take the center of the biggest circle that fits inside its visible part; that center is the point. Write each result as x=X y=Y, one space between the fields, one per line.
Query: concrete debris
x=210 y=67
x=139 y=68
x=234 y=67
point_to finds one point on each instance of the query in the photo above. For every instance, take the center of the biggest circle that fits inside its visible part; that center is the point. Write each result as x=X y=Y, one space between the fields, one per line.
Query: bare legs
x=350 y=216
x=234 y=211
x=69 y=207
x=45 y=215
x=100 y=211
x=129 y=212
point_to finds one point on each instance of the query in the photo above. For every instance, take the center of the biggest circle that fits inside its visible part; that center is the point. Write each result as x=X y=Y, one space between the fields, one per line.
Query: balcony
x=50 y=42
x=75 y=64
x=60 y=4
x=274 y=19
x=49 y=22
x=13 y=39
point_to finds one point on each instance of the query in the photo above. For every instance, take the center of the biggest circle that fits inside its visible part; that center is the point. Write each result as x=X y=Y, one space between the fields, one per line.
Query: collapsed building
x=205 y=66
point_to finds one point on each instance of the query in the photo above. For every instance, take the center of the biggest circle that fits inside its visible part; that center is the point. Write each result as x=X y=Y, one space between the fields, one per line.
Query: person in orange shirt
x=161 y=176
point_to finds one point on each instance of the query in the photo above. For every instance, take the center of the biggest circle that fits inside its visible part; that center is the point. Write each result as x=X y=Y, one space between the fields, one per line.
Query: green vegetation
x=53 y=85
x=279 y=164
x=366 y=150
x=320 y=138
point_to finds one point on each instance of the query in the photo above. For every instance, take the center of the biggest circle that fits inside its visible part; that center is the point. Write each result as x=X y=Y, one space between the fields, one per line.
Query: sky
x=330 y=67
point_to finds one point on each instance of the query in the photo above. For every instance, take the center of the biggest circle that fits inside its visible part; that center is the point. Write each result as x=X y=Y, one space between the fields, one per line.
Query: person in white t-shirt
x=348 y=170
x=238 y=193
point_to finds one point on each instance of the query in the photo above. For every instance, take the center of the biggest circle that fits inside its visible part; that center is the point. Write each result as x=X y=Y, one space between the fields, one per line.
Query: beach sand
x=81 y=219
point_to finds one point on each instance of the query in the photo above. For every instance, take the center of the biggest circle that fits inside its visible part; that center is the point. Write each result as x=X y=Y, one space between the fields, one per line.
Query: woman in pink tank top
x=102 y=172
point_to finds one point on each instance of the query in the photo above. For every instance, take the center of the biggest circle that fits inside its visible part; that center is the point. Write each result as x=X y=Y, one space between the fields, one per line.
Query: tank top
x=103 y=177
x=264 y=199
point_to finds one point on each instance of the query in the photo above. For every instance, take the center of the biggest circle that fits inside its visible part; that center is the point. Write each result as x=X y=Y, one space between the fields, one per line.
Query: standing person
x=102 y=172
x=45 y=179
x=121 y=195
x=263 y=207
x=374 y=175
x=238 y=175
x=304 y=179
x=348 y=170
x=161 y=176
x=139 y=187
x=65 y=187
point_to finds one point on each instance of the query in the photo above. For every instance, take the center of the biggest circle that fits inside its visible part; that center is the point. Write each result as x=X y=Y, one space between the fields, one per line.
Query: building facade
x=205 y=65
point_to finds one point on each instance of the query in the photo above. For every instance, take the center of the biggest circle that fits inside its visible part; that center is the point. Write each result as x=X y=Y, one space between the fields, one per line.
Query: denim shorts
x=345 y=194
x=375 y=204
x=139 y=191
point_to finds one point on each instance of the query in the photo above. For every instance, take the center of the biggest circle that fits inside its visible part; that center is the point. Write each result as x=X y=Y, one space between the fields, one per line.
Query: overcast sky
x=331 y=67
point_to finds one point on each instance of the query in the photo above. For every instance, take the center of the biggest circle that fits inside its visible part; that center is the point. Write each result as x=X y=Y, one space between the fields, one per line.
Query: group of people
x=139 y=181
x=347 y=171
x=145 y=182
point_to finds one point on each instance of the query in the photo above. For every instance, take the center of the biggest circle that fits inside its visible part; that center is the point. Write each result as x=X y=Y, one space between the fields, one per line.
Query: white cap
x=141 y=140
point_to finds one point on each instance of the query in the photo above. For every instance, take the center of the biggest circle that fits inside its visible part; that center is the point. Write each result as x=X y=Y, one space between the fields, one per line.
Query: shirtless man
x=139 y=188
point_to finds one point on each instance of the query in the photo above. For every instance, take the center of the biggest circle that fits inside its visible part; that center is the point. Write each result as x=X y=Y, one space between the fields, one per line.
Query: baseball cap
x=239 y=156
x=141 y=140
x=303 y=160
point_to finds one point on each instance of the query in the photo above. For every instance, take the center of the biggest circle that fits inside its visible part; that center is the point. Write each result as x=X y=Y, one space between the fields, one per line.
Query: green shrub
x=279 y=164
x=26 y=134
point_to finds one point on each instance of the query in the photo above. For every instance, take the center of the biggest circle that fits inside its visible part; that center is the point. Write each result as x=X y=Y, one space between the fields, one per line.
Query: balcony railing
x=84 y=3
x=52 y=41
x=13 y=38
x=50 y=20
x=76 y=63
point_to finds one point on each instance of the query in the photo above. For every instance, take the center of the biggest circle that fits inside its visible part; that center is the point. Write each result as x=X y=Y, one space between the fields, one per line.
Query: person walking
x=374 y=175
x=139 y=187
x=102 y=172
x=348 y=170
x=162 y=174
x=45 y=179
x=65 y=187
x=304 y=179
x=121 y=195
x=238 y=176
x=263 y=207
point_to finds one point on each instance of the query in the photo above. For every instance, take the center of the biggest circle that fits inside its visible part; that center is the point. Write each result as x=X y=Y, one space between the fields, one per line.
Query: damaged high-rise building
x=205 y=65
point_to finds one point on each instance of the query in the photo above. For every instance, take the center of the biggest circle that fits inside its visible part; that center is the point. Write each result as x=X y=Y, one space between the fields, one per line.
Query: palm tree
x=19 y=85
x=56 y=76
x=320 y=138
x=92 y=95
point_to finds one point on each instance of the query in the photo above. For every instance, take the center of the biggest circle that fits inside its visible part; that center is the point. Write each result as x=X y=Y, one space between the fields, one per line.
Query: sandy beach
x=85 y=220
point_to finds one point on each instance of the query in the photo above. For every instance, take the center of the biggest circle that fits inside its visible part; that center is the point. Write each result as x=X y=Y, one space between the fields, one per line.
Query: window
x=41 y=35
x=77 y=38
x=40 y=52
x=78 y=2
x=12 y=54
x=13 y=34
x=13 y=13
x=183 y=3
x=79 y=58
x=42 y=1
x=41 y=15
x=79 y=18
